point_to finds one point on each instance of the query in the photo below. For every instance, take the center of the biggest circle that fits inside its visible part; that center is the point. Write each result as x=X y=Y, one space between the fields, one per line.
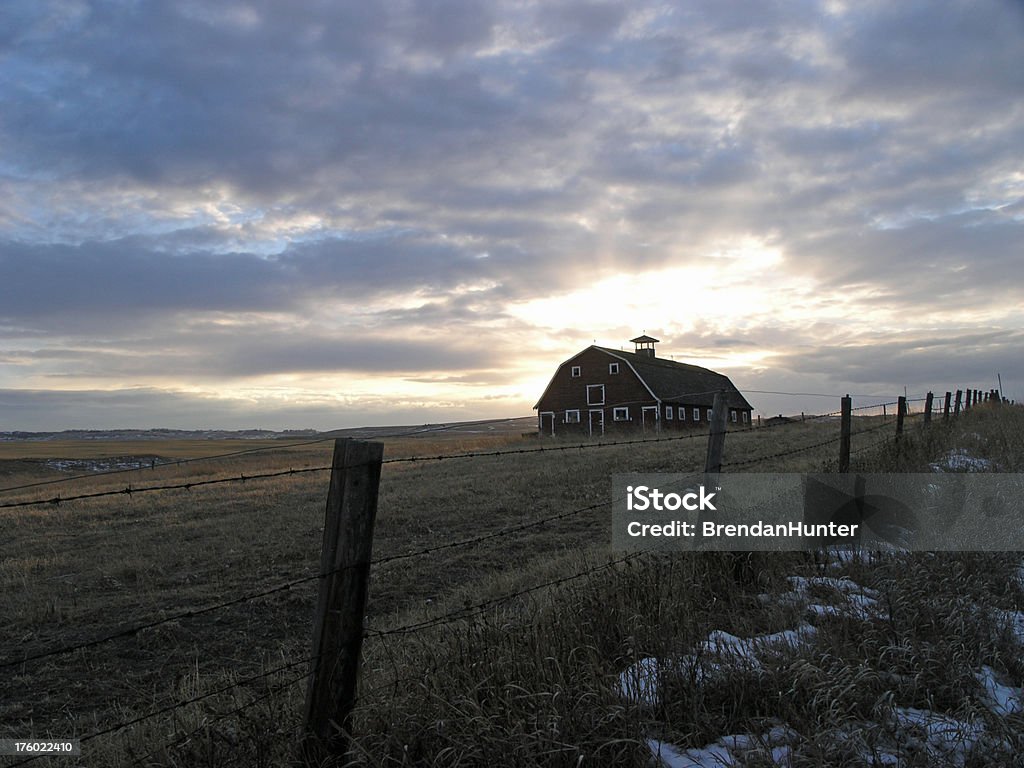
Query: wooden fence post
x=716 y=437
x=844 y=434
x=901 y=411
x=338 y=627
x=945 y=406
x=929 y=401
x=956 y=407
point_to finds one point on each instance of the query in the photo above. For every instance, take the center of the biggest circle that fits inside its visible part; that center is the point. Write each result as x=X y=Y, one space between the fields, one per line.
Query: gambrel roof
x=672 y=382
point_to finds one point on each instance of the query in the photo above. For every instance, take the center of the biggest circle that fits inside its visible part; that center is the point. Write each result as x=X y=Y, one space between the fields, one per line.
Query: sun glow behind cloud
x=730 y=289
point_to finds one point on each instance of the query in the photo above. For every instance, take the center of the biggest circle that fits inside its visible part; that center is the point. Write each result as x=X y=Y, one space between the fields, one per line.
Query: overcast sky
x=328 y=214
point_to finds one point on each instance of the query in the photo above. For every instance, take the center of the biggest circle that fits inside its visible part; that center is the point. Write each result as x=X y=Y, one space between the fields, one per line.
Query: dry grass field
x=526 y=684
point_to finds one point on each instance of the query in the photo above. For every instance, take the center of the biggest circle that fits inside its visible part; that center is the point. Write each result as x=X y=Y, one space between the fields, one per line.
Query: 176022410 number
x=40 y=747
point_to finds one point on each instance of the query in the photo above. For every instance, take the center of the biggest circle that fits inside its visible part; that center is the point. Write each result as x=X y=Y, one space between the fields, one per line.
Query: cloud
x=256 y=189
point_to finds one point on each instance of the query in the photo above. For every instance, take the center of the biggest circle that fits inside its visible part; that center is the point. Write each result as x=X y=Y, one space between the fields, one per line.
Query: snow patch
x=942 y=737
x=1002 y=699
x=857 y=601
x=959 y=460
x=773 y=747
x=640 y=682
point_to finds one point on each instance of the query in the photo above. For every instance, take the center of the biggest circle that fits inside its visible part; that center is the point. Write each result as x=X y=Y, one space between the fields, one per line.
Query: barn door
x=547 y=423
x=597 y=422
x=649 y=417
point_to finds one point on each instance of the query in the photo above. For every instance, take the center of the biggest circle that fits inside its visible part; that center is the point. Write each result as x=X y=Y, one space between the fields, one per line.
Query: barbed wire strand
x=475 y=610
x=187 y=702
x=189 y=485
x=427 y=429
x=758 y=459
x=182 y=740
x=192 y=613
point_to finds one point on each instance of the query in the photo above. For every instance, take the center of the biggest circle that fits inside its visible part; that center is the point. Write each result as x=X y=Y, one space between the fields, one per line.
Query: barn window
x=595 y=394
x=746 y=417
x=572 y=417
x=682 y=413
x=696 y=414
x=613 y=368
x=709 y=415
x=734 y=417
x=620 y=414
x=668 y=412
x=576 y=371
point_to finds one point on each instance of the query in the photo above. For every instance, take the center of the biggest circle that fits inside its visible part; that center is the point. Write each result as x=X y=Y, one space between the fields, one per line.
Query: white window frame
x=709 y=415
x=592 y=387
x=696 y=415
x=735 y=416
x=613 y=368
x=575 y=372
x=746 y=417
x=620 y=414
x=669 y=410
x=574 y=412
x=682 y=413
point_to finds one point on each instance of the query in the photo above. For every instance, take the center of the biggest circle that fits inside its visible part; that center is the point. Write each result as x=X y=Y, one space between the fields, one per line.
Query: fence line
x=129 y=491
x=187 y=486
x=130 y=631
x=461 y=614
x=249 y=597
x=260 y=449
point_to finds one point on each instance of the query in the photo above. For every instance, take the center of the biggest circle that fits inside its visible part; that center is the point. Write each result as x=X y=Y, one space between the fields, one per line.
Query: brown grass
x=80 y=570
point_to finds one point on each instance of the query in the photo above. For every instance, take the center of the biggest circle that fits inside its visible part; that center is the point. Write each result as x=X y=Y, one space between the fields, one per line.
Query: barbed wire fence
x=19 y=663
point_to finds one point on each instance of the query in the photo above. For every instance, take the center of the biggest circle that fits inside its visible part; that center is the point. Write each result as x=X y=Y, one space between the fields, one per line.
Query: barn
x=602 y=390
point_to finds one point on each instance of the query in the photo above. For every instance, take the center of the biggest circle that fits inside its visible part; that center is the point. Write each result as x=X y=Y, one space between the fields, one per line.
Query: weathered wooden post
x=901 y=412
x=338 y=627
x=945 y=406
x=956 y=407
x=929 y=401
x=844 y=434
x=716 y=437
